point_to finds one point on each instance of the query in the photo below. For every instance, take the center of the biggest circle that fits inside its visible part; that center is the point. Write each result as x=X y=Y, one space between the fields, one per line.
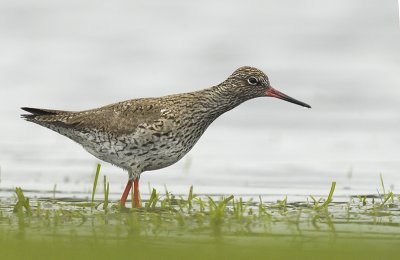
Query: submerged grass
x=196 y=227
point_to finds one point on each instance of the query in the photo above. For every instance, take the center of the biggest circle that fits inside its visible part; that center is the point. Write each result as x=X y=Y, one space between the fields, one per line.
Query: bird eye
x=252 y=81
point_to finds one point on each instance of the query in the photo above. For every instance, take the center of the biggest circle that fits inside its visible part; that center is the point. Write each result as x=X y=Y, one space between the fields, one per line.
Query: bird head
x=251 y=83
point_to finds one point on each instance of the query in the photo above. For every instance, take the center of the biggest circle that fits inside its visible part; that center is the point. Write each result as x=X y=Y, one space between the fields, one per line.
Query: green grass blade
x=96 y=177
x=211 y=203
x=228 y=199
x=329 y=199
x=106 y=187
x=383 y=185
x=152 y=200
x=190 y=198
x=390 y=195
x=167 y=197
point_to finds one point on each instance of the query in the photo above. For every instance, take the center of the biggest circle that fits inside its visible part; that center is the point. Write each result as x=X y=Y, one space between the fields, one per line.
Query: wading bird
x=152 y=133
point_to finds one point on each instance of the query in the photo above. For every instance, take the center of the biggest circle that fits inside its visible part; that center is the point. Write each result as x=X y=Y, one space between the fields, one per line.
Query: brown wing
x=119 y=118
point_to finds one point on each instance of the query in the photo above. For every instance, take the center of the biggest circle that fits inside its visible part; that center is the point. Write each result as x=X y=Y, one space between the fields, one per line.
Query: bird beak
x=271 y=92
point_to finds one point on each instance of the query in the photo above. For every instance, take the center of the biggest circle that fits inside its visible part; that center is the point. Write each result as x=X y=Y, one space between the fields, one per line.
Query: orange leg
x=126 y=192
x=136 y=201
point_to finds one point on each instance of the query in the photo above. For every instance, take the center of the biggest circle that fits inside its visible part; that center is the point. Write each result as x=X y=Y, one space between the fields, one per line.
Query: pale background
x=342 y=57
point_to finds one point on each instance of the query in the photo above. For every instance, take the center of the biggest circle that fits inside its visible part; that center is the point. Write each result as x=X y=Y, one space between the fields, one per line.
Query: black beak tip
x=299 y=103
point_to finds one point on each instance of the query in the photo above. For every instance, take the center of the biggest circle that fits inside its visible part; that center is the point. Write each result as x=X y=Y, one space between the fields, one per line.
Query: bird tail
x=36 y=113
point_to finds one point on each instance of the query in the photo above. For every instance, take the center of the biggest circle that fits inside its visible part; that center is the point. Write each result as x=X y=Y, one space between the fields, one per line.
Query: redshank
x=152 y=133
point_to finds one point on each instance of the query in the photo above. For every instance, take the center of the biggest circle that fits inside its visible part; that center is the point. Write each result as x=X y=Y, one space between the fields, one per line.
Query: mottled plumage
x=151 y=133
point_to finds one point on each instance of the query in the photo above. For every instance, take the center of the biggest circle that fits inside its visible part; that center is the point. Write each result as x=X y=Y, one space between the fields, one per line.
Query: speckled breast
x=146 y=149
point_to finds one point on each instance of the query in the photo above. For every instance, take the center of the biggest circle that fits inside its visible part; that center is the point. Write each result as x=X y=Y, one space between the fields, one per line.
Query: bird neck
x=219 y=99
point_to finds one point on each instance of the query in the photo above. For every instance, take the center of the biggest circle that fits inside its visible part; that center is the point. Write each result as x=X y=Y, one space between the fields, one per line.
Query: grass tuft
x=22 y=203
x=328 y=200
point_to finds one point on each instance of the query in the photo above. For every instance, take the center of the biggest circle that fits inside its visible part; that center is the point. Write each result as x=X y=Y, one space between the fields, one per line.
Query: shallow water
x=340 y=230
x=369 y=219
x=340 y=58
